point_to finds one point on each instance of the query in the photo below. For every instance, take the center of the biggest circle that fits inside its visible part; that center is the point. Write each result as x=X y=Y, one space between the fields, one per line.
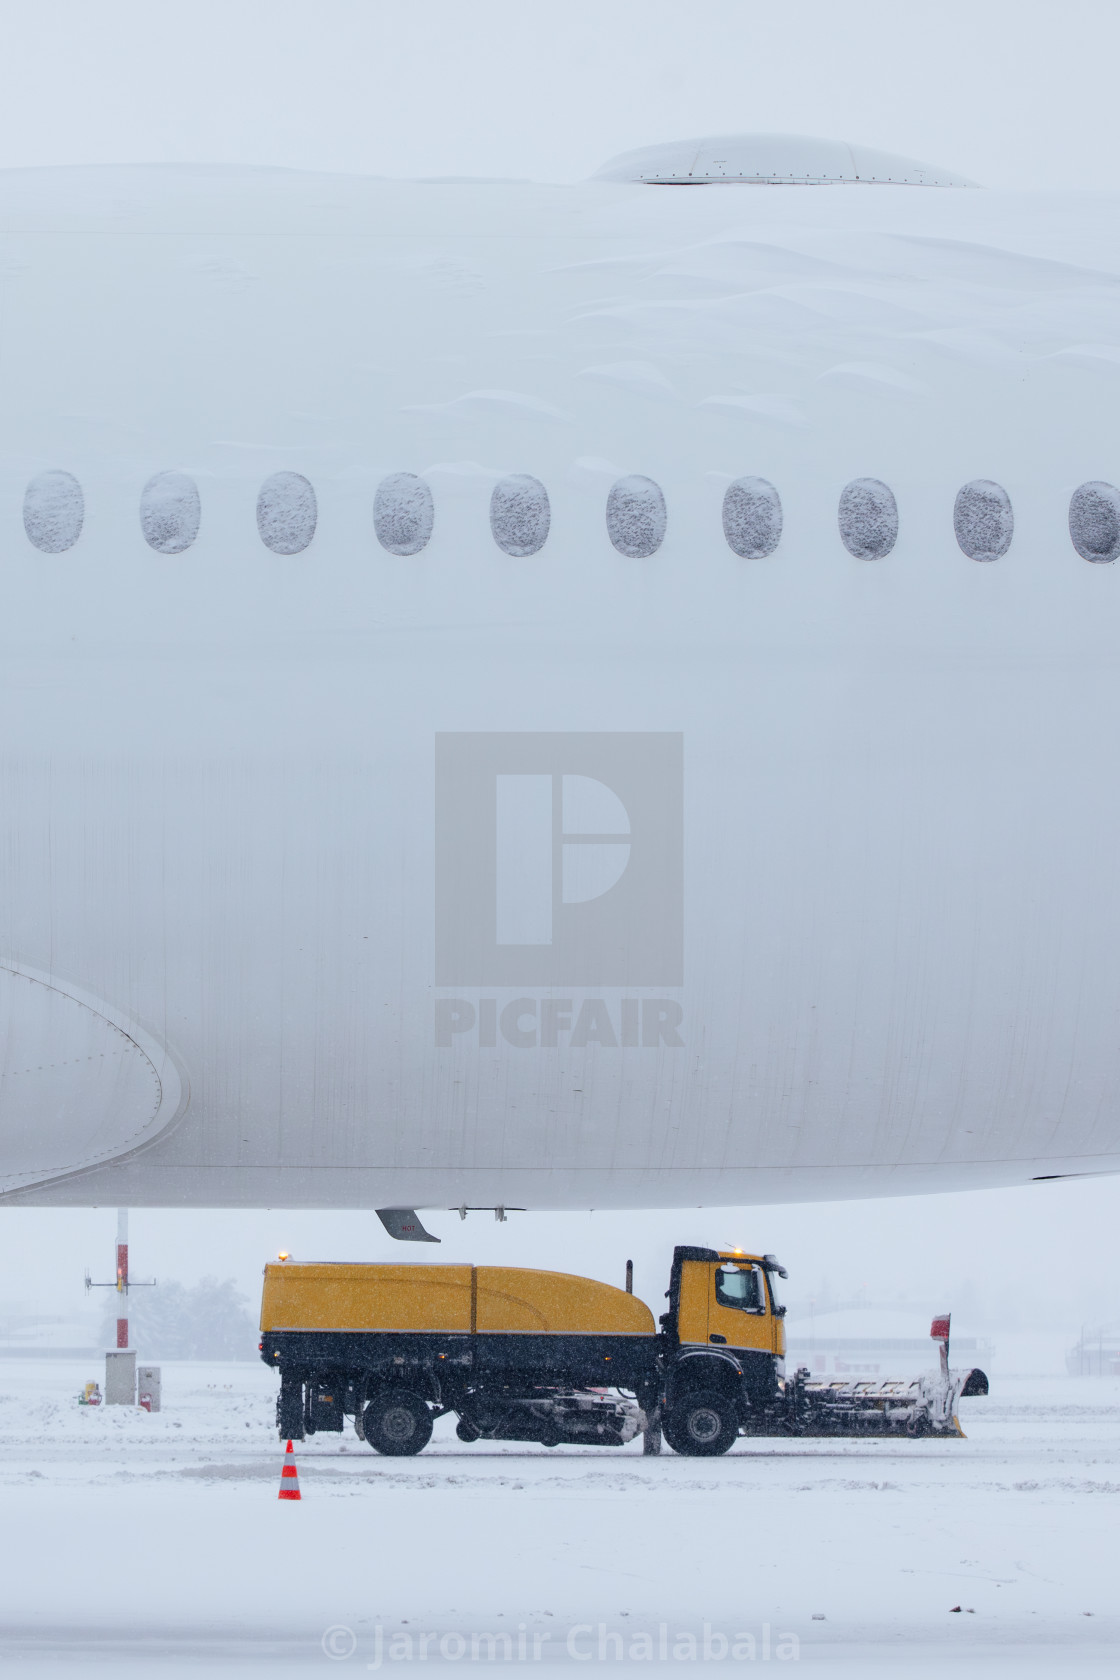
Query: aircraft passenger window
x=740 y=1288
x=403 y=513
x=752 y=518
x=286 y=513
x=520 y=514
x=868 y=518
x=1094 y=521
x=170 y=512
x=53 y=511
x=636 y=517
x=983 y=520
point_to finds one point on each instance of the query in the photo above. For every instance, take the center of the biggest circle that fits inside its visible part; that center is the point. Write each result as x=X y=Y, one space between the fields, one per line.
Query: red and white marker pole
x=939 y=1331
x=122 y=1277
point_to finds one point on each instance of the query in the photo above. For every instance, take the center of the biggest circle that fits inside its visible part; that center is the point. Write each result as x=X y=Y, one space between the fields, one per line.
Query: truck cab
x=724 y=1340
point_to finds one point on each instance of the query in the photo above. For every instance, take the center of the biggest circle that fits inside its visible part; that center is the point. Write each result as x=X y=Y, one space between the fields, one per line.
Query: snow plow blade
x=925 y=1405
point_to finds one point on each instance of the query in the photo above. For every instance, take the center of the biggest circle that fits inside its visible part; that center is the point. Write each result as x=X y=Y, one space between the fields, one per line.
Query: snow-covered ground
x=157 y=1543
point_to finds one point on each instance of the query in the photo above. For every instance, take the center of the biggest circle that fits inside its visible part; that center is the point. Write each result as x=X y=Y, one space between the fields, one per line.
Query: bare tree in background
x=209 y=1321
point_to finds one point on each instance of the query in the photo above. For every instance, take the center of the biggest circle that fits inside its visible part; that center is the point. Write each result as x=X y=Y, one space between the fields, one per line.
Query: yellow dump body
x=494 y=1300
x=324 y=1296
x=511 y=1298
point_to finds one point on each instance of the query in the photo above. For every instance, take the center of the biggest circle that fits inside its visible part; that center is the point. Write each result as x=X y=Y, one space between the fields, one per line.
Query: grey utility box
x=120 y=1377
x=147 y=1387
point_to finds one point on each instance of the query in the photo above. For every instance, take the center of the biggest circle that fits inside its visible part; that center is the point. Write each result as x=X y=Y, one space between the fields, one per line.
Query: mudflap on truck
x=290 y=1407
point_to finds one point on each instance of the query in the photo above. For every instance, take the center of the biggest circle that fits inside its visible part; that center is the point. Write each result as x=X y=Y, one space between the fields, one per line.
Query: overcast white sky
x=1011 y=92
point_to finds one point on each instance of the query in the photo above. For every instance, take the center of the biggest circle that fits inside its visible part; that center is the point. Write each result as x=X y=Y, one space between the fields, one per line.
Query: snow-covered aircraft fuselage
x=556 y=696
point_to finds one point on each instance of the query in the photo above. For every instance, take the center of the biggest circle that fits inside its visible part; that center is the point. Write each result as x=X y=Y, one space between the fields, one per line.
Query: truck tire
x=702 y=1424
x=397 y=1423
x=289 y=1409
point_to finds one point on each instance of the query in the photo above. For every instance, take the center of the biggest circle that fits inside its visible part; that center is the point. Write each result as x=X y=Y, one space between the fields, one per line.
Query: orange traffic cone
x=289 y=1476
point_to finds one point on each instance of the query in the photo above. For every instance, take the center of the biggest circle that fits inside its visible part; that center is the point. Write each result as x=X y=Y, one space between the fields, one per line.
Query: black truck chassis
x=546 y=1388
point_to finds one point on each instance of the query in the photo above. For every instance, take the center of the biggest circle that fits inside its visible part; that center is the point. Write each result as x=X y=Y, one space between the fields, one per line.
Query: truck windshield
x=740 y=1288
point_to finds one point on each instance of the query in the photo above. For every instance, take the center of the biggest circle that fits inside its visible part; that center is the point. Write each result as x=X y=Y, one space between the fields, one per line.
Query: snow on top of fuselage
x=761 y=302
x=781 y=233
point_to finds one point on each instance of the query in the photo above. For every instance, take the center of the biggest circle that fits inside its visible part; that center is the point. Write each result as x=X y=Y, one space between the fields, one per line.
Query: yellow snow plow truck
x=521 y=1355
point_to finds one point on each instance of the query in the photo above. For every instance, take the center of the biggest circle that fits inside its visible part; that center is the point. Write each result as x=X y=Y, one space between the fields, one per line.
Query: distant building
x=1096 y=1354
x=873 y=1342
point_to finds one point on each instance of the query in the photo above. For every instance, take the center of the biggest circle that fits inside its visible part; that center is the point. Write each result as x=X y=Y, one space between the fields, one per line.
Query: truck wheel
x=397 y=1423
x=701 y=1425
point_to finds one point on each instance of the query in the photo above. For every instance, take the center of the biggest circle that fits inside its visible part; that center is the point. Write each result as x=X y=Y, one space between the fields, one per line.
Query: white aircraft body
x=557 y=696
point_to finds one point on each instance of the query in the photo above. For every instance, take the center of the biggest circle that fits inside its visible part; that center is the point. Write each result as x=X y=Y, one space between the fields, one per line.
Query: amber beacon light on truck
x=522 y=1355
